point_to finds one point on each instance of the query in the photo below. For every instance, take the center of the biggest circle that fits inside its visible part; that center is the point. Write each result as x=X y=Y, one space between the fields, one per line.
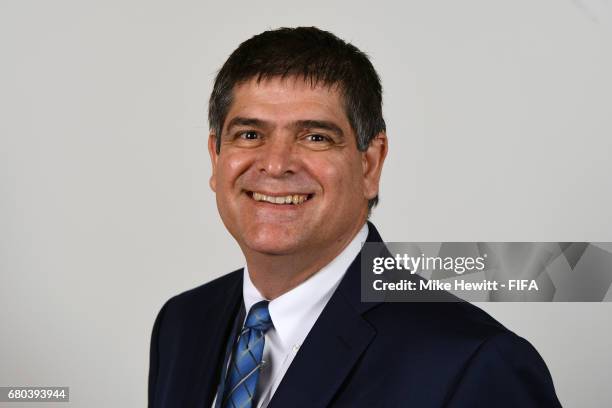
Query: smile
x=294 y=199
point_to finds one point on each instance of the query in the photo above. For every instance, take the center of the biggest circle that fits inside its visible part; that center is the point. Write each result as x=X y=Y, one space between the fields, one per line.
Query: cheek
x=229 y=167
x=340 y=176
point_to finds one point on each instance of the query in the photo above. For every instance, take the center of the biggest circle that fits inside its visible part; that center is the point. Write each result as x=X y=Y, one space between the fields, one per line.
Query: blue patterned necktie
x=243 y=372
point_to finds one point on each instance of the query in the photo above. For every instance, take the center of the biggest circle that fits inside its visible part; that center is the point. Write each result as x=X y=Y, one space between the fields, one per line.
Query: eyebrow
x=318 y=124
x=299 y=124
x=242 y=121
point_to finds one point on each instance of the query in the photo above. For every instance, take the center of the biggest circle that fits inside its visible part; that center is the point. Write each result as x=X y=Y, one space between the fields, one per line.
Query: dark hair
x=315 y=55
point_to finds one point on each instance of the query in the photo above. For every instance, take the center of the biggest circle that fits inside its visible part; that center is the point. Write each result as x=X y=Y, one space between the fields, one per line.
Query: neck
x=274 y=275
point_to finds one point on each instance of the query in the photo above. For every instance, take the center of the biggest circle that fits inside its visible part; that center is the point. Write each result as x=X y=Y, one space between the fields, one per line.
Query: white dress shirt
x=294 y=313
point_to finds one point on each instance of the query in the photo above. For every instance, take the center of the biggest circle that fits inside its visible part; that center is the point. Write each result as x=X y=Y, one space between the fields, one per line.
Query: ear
x=372 y=162
x=212 y=151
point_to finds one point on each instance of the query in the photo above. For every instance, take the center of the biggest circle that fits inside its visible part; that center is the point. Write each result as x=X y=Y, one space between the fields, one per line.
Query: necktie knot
x=259 y=317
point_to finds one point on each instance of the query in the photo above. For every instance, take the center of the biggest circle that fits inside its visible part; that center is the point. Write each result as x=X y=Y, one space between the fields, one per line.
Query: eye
x=317 y=138
x=249 y=135
x=317 y=141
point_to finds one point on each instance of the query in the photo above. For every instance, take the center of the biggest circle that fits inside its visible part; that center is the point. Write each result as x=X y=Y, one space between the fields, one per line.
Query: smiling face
x=289 y=178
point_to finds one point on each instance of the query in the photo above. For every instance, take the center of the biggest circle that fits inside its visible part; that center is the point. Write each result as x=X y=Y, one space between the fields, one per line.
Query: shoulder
x=201 y=298
x=453 y=319
x=504 y=358
x=444 y=331
x=182 y=330
x=208 y=291
x=463 y=350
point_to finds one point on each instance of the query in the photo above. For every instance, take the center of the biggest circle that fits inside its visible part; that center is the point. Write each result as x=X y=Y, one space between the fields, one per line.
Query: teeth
x=290 y=199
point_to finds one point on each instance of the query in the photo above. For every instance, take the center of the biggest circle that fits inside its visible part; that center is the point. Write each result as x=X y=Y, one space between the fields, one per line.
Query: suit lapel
x=332 y=348
x=212 y=340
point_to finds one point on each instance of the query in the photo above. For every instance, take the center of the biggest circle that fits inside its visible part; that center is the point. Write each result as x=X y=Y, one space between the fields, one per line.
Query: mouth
x=284 y=199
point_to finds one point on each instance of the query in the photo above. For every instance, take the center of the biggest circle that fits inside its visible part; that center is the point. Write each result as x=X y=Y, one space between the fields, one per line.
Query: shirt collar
x=295 y=312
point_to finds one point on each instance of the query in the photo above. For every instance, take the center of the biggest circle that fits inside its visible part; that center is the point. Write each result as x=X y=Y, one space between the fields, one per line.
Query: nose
x=277 y=158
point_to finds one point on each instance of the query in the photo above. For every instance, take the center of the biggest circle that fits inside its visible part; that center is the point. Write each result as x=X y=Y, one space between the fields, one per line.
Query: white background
x=499 y=118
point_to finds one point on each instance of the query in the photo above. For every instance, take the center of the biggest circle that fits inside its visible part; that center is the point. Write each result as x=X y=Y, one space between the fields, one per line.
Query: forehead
x=288 y=99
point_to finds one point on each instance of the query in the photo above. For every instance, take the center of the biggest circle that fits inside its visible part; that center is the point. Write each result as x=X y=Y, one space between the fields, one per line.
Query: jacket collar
x=333 y=346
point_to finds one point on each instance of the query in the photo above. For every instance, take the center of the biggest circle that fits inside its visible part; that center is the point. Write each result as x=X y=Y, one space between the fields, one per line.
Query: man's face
x=289 y=178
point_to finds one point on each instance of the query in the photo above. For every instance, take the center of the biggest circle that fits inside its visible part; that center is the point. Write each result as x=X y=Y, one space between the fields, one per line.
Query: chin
x=271 y=240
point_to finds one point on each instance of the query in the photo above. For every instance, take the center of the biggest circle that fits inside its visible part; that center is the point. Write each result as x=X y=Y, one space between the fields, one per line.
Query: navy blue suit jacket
x=421 y=355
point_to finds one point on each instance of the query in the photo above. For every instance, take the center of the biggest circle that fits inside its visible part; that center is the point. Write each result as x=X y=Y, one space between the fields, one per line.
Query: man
x=297 y=147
